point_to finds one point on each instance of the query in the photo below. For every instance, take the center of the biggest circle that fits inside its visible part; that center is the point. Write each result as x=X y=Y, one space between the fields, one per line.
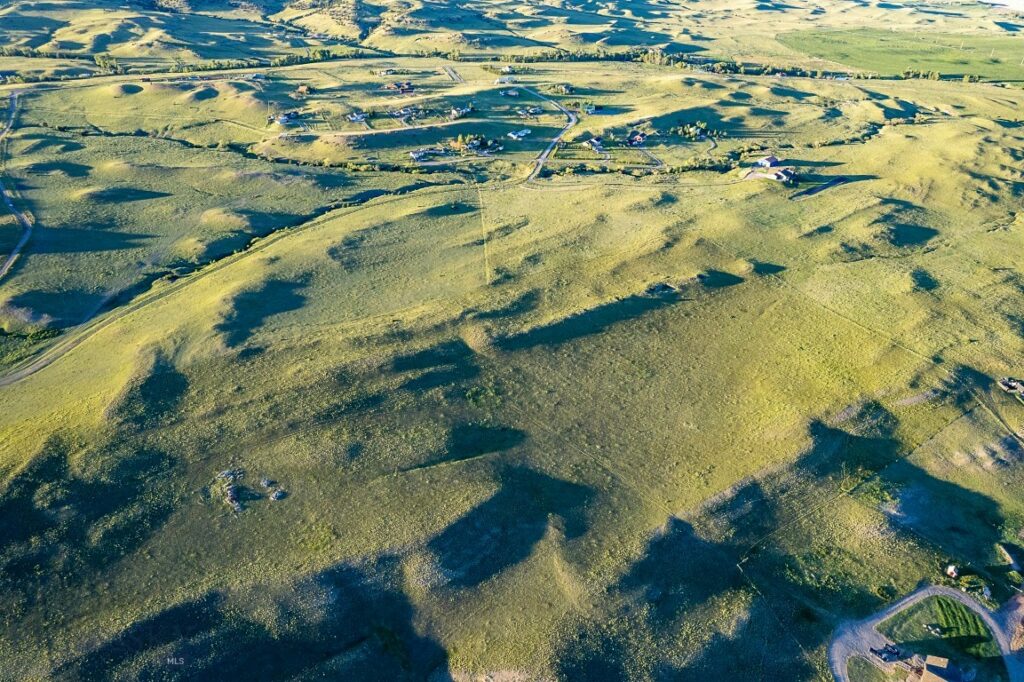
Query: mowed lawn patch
x=963 y=637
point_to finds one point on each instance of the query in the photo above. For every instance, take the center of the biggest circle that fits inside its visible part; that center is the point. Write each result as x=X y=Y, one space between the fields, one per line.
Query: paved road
x=856 y=637
x=26 y=224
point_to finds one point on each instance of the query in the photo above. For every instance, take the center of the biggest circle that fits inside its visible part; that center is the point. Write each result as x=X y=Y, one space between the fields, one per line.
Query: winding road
x=26 y=224
x=571 y=120
x=857 y=637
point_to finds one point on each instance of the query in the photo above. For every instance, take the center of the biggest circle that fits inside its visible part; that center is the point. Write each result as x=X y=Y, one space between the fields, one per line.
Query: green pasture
x=988 y=56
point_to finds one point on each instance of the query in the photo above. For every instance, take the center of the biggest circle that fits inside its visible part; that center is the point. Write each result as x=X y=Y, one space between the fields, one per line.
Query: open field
x=998 y=57
x=491 y=350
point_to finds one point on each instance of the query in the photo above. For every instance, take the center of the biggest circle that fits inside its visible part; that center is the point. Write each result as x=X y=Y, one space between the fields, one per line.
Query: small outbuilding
x=938 y=669
x=767 y=162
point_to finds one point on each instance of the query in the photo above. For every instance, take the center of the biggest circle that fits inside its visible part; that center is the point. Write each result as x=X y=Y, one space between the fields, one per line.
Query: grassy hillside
x=312 y=371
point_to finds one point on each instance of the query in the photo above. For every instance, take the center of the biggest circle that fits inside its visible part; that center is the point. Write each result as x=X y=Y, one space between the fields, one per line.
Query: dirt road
x=26 y=224
x=857 y=637
x=453 y=74
x=571 y=120
x=73 y=338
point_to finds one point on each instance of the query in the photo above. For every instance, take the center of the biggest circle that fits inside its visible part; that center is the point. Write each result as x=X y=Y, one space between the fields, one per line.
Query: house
x=302 y=90
x=784 y=175
x=589 y=109
x=257 y=77
x=284 y=119
x=519 y=134
x=636 y=138
x=952 y=571
x=508 y=69
x=511 y=92
x=459 y=112
x=402 y=87
x=386 y=72
x=1011 y=385
x=357 y=117
x=595 y=144
x=405 y=112
x=424 y=154
x=938 y=669
x=504 y=80
x=767 y=162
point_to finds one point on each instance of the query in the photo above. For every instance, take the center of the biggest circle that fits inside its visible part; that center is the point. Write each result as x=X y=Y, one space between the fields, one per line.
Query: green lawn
x=963 y=637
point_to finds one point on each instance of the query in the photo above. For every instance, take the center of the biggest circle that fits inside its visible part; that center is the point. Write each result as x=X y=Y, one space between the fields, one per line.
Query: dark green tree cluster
x=107 y=64
x=695 y=131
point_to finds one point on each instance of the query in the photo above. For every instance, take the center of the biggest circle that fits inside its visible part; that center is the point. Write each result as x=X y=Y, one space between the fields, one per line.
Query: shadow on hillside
x=503 y=530
x=57 y=309
x=59 y=240
x=907 y=235
x=683 y=571
x=151 y=397
x=923 y=280
x=250 y=309
x=528 y=302
x=442 y=365
x=67 y=168
x=58 y=527
x=345 y=623
x=120 y=195
x=45 y=141
x=588 y=322
x=469 y=441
